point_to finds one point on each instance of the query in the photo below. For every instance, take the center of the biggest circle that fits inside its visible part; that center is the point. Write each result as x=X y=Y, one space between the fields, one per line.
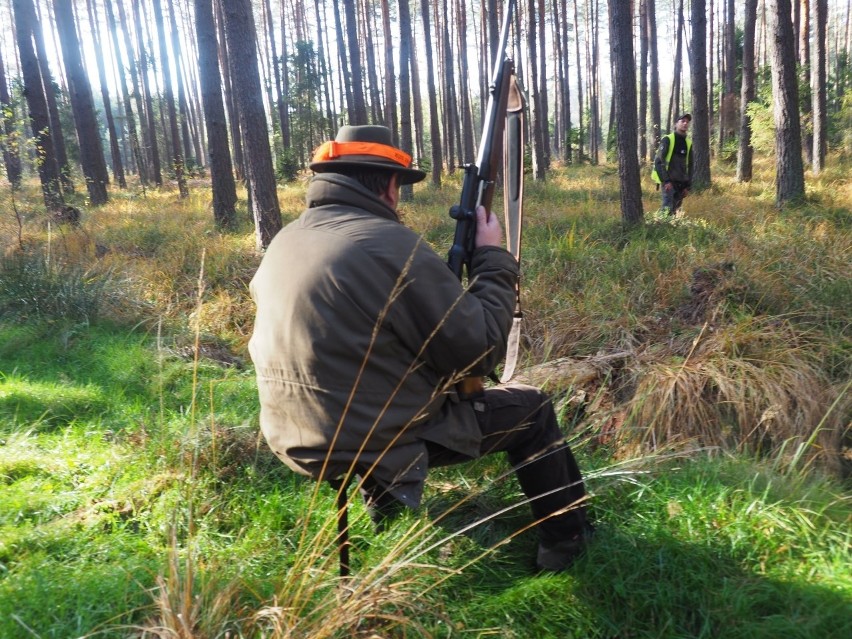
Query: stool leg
x=342 y=488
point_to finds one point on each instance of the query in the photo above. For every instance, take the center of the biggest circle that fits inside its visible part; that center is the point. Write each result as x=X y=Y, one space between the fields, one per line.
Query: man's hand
x=488 y=229
x=667 y=187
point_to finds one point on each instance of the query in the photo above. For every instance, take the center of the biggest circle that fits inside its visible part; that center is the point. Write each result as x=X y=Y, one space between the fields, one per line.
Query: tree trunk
x=168 y=96
x=115 y=152
x=135 y=148
x=451 y=121
x=580 y=104
x=789 y=178
x=654 y=82
x=468 y=148
x=391 y=113
x=405 y=138
x=149 y=124
x=700 y=116
x=82 y=105
x=624 y=84
x=221 y=171
x=643 y=80
x=358 y=109
x=241 y=36
x=562 y=28
x=48 y=169
x=818 y=88
x=8 y=138
x=542 y=88
x=228 y=90
x=747 y=94
x=434 y=123
x=536 y=109
x=803 y=50
x=183 y=104
x=368 y=29
x=674 y=101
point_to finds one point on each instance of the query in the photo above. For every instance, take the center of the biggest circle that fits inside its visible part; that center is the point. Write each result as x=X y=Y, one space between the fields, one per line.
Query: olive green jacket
x=360 y=330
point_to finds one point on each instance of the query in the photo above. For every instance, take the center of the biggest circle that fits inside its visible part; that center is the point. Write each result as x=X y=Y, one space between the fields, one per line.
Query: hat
x=360 y=147
x=684 y=116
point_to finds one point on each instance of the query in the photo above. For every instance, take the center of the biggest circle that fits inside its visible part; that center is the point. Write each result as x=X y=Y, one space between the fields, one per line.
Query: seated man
x=362 y=332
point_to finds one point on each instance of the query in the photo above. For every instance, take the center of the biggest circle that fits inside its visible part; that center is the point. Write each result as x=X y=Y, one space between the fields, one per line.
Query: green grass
x=134 y=484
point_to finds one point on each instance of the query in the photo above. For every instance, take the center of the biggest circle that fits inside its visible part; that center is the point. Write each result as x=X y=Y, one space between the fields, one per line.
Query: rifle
x=505 y=103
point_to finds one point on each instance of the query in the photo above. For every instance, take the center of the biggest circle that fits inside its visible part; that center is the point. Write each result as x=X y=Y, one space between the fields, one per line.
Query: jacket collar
x=337 y=189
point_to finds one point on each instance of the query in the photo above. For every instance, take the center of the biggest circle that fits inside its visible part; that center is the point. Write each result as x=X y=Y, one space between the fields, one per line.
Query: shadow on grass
x=627 y=586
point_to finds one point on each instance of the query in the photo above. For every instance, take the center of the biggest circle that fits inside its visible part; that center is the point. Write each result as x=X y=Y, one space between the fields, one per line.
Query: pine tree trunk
x=700 y=115
x=747 y=93
x=82 y=105
x=654 y=82
x=579 y=85
x=392 y=115
x=115 y=152
x=536 y=109
x=643 y=80
x=183 y=104
x=358 y=110
x=405 y=138
x=48 y=169
x=223 y=185
x=434 y=122
x=818 y=85
x=624 y=84
x=468 y=150
x=130 y=118
x=168 y=96
x=789 y=178
x=150 y=123
x=241 y=36
x=9 y=139
x=231 y=108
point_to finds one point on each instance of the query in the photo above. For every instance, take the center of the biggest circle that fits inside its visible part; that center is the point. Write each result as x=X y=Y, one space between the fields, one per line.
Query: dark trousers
x=672 y=200
x=520 y=421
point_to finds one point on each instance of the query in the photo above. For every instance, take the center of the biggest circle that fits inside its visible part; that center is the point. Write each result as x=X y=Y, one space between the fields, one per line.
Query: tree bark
x=9 y=139
x=82 y=106
x=624 y=84
x=115 y=152
x=391 y=113
x=48 y=169
x=654 y=80
x=405 y=138
x=241 y=36
x=789 y=178
x=168 y=96
x=228 y=90
x=149 y=125
x=358 y=109
x=747 y=93
x=223 y=185
x=818 y=85
x=700 y=115
x=434 y=122
x=135 y=148
x=579 y=84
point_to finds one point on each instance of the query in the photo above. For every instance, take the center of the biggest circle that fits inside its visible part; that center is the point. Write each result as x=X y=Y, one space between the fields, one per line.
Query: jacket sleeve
x=453 y=329
x=660 y=160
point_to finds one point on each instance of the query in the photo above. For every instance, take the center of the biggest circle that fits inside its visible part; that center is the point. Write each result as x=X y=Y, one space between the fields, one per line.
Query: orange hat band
x=332 y=150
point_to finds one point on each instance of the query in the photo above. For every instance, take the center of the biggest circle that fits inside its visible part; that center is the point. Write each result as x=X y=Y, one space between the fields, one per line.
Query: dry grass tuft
x=752 y=387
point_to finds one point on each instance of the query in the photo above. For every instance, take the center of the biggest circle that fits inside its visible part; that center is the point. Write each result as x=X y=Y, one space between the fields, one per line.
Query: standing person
x=673 y=165
x=362 y=332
